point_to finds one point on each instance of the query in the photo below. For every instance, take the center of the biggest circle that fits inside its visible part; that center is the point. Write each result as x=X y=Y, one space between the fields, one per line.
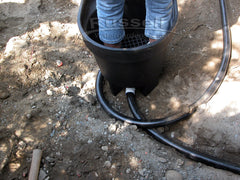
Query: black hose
x=207 y=95
x=189 y=152
x=147 y=124
x=226 y=56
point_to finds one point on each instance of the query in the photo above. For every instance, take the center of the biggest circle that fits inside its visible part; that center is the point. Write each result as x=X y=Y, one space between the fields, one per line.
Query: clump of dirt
x=53 y=107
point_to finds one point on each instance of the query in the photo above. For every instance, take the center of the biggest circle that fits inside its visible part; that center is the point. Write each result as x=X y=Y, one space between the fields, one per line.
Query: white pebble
x=128 y=170
x=112 y=128
x=104 y=148
x=49 y=92
x=90 y=141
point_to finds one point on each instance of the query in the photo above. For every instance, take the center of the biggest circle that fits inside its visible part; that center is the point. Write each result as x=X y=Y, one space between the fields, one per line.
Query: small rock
x=38 y=90
x=180 y=162
x=52 y=164
x=96 y=157
x=172 y=134
x=96 y=174
x=43 y=102
x=52 y=133
x=4 y=94
x=59 y=63
x=107 y=164
x=29 y=116
x=162 y=160
x=173 y=175
x=128 y=170
x=177 y=80
x=42 y=175
x=91 y=175
x=104 y=148
x=199 y=165
x=90 y=99
x=76 y=101
x=73 y=91
x=22 y=145
x=90 y=141
x=112 y=128
x=49 y=92
x=133 y=127
x=118 y=165
x=50 y=160
x=142 y=171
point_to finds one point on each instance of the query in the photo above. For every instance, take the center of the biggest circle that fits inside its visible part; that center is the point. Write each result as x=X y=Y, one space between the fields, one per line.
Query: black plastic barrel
x=135 y=65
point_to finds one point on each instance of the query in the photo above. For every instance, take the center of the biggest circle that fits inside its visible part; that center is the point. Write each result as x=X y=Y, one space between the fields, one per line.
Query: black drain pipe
x=188 y=152
x=208 y=94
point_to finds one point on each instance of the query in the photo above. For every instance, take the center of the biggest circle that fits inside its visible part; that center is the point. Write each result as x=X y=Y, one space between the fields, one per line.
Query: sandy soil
x=54 y=108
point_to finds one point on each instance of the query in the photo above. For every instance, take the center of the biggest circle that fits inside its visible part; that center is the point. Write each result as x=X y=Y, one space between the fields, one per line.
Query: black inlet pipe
x=207 y=95
x=147 y=124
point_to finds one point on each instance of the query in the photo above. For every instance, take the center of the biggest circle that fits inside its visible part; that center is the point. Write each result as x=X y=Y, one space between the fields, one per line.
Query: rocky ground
x=48 y=100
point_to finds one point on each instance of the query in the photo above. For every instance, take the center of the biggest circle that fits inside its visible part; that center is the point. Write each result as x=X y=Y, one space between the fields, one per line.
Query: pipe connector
x=130 y=90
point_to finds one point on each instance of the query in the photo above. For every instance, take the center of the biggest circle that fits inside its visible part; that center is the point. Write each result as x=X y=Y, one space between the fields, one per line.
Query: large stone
x=173 y=175
x=4 y=94
x=6 y=145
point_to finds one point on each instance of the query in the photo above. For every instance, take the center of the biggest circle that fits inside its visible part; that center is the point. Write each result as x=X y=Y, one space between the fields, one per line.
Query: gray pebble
x=42 y=175
x=180 y=162
x=50 y=160
x=58 y=153
x=177 y=80
x=104 y=148
x=38 y=90
x=162 y=160
x=107 y=164
x=133 y=127
x=142 y=171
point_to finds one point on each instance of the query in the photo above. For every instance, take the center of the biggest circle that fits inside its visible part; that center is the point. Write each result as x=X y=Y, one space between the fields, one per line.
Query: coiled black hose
x=208 y=94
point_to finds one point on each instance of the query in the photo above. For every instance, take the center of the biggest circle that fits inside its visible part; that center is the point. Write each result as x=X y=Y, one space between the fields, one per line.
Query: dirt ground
x=54 y=108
